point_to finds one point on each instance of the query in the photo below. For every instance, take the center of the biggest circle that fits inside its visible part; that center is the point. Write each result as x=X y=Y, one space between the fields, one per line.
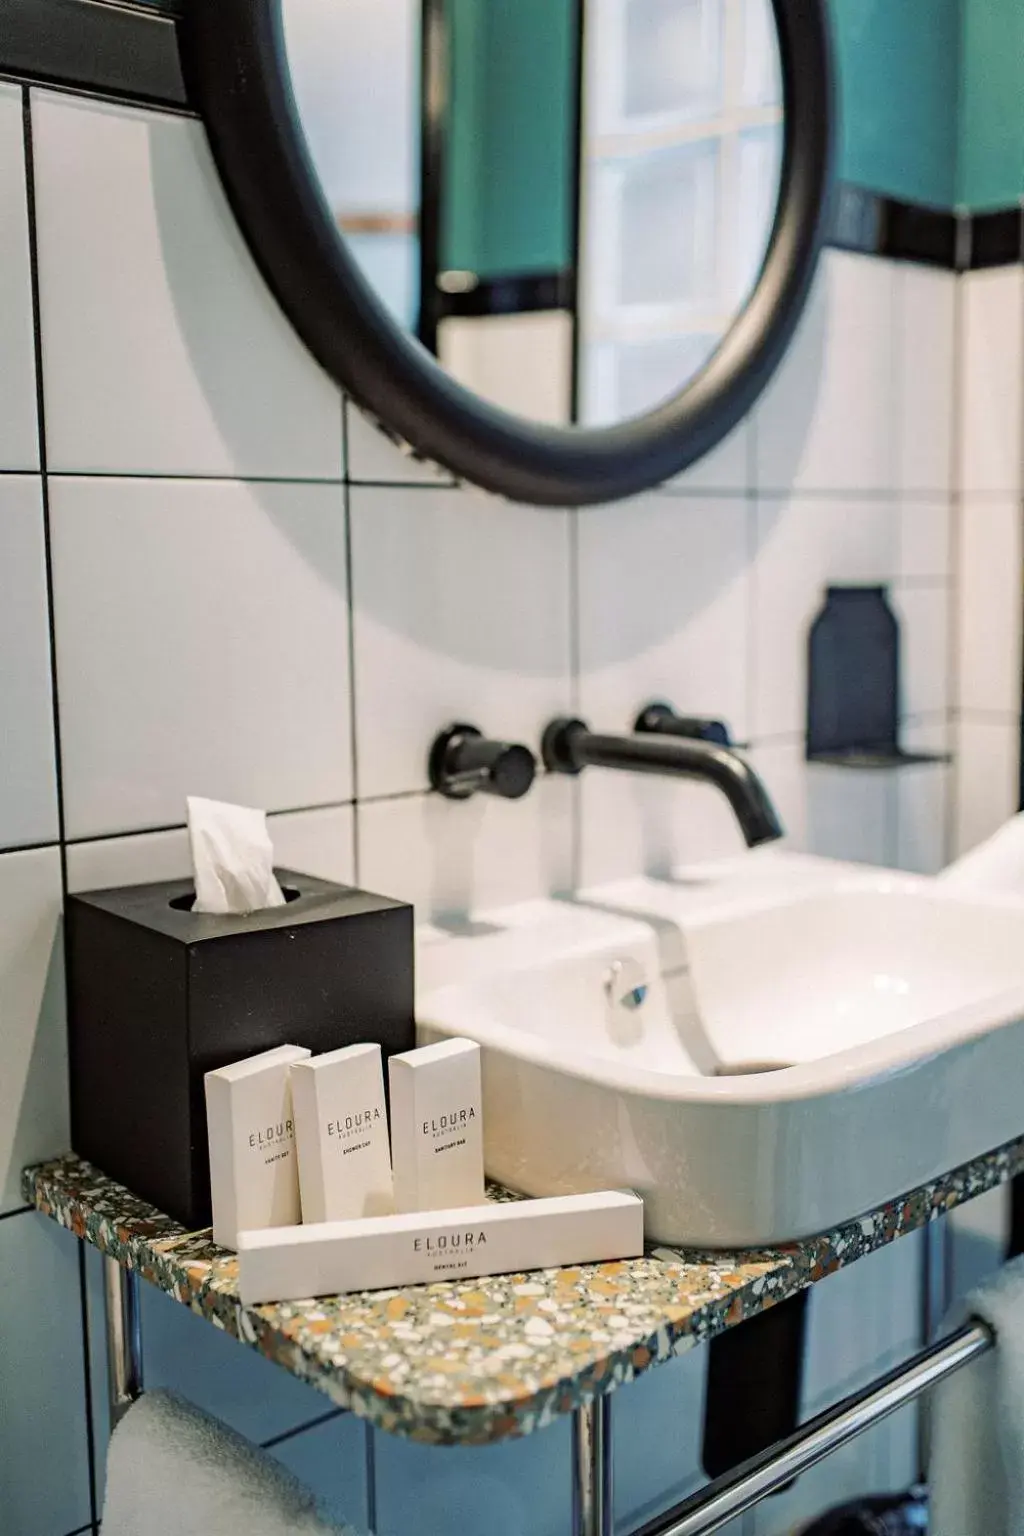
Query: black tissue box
x=159 y=995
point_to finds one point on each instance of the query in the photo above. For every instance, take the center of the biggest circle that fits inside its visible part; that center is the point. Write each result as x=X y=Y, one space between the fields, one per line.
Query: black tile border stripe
x=997 y=238
x=127 y=51
x=124 y=50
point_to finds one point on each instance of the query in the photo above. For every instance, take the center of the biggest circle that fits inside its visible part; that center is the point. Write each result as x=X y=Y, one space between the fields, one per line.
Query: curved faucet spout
x=569 y=746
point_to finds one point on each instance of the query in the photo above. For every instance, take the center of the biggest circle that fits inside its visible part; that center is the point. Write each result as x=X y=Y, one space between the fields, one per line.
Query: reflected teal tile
x=190 y=1356
x=517 y=1488
x=331 y=1461
x=44 y=1479
x=657 y=1426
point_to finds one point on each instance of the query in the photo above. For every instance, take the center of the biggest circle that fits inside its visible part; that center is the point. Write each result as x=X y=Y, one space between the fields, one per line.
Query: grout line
x=214 y=479
x=752 y=583
x=1020 y=518
x=53 y=842
x=351 y=631
x=30 y=193
x=90 y=1427
x=371 y=1477
x=954 y=629
x=84 y=1530
x=181 y=826
x=19 y=1210
x=397 y=794
x=575 y=683
x=301 y=1429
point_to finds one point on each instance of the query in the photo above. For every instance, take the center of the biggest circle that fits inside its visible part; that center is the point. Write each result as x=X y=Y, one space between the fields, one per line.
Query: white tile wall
x=19 y=440
x=992 y=382
x=28 y=807
x=991 y=578
x=203 y=623
x=829 y=421
x=460 y=601
x=33 y=1077
x=989 y=543
x=202 y=647
x=163 y=351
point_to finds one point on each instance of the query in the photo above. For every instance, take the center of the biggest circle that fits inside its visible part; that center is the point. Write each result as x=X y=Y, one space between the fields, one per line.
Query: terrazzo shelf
x=476 y=1361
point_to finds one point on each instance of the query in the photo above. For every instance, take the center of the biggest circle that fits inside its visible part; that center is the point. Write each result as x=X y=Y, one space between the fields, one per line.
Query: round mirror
x=557 y=246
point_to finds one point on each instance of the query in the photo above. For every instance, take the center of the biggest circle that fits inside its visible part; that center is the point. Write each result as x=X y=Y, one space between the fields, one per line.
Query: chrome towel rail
x=733 y=1495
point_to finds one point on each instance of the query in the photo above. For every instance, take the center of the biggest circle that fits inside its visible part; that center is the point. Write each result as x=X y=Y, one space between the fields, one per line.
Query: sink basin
x=763 y=1049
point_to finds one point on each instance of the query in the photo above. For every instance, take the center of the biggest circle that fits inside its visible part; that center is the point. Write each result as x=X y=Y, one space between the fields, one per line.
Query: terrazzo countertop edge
x=478 y=1361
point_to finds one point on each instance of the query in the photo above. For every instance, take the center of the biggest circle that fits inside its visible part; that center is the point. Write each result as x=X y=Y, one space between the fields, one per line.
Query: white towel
x=976 y=1467
x=174 y=1471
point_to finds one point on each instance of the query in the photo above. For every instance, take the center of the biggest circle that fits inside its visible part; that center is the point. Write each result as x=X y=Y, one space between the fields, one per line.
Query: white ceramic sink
x=813 y=1039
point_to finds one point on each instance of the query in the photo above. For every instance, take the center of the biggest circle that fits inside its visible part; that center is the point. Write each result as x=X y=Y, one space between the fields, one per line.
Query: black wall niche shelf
x=853 y=684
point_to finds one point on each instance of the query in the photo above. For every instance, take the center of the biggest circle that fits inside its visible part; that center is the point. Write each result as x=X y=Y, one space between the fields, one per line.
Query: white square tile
x=926 y=352
x=202 y=645
x=926 y=531
x=312 y=842
x=851 y=813
x=923 y=800
x=839 y=813
x=374 y=458
x=633 y=824
x=164 y=350
x=455 y=858
x=992 y=381
x=783 y=768
x=664 y=608
x=33 y=1042
x=803 y=546
x=44 y=1469
x=461 y=613
x=515 y=1488
x=727 y=468
x=987 y=778
x=923 y=613
x=829 y=420
x=19 y=437
x=28 y=792
x=991 y=590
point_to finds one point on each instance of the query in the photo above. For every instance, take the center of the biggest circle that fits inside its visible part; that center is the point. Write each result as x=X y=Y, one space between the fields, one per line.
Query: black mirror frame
x=235 y=64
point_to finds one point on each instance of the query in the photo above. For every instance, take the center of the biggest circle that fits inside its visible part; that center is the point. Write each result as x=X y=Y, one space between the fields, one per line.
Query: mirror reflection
x=567 y=201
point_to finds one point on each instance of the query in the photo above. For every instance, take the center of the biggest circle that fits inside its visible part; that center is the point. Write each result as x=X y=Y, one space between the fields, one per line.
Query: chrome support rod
x=124 y=1338
x=935 y=1302
x=715 y=1506
x=592 y=1469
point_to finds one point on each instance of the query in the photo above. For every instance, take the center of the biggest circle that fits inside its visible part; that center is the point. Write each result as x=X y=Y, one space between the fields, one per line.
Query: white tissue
x=232 y=858
x=997 y=864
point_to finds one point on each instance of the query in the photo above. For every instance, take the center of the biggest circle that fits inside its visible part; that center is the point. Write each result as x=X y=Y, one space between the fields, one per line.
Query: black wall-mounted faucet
x=463 y=762
x=569 y=746
x=662 y=720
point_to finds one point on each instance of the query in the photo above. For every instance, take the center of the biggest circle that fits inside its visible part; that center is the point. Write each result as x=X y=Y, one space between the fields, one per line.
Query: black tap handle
x=463 y=762
x=662 y=720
